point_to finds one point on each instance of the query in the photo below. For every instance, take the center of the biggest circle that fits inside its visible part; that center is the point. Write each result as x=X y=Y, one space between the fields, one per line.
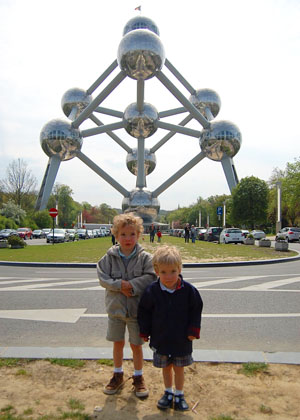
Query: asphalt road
x=253 y=308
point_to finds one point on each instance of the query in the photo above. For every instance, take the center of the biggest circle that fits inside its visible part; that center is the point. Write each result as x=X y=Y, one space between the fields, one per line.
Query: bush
x=16 y=240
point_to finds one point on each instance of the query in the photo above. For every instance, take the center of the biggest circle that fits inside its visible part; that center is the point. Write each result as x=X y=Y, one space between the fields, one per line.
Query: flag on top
x=138 y=8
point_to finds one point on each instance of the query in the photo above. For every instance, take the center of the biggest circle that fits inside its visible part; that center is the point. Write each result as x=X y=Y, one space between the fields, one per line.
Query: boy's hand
x=126 y=288
x=191 y=337
x=146 y=339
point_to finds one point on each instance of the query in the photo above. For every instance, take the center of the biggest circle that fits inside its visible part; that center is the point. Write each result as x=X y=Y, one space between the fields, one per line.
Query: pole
x=53 y=230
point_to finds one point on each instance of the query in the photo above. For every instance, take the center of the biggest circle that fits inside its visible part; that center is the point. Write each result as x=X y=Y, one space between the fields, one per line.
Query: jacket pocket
x=116 y=274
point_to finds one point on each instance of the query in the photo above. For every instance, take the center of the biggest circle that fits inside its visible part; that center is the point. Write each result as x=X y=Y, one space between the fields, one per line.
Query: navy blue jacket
x=169 y=318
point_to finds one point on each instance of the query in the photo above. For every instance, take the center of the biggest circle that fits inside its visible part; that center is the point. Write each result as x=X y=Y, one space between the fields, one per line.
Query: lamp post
x=278 y=222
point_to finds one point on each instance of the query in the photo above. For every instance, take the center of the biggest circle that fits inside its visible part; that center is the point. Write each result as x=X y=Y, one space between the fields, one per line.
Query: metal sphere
x=59 y=138
x=222 y=139
x=149 y=162
x=141 y=54
x=74 y=101
x=142 y=203
x=140 y=22
x=140 y=124
x=206 y=98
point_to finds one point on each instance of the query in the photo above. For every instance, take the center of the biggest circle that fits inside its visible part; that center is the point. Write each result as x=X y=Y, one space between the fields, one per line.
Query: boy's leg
x=118 y=353
x=180 y=403
x=140 y=388
x=137 y=355
x=166 y=400
x=117 y=381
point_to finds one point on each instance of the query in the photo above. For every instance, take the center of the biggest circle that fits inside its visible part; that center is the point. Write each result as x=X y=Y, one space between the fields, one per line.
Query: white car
x=258 y=234
x=232 y=235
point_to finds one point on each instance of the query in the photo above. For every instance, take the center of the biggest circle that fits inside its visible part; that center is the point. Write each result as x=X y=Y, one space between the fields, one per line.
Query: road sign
x=53 y=212
x=219 y=211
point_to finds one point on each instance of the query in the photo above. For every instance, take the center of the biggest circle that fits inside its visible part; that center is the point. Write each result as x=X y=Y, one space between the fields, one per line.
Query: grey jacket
x=111 y=271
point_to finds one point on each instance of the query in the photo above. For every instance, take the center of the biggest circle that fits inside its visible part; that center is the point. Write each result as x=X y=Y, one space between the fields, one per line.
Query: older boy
x=170 y=313
x=125 y=271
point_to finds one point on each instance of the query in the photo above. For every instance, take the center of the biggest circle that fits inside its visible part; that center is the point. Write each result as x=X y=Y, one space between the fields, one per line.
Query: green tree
x=250 y=202
x=67 y=207
x=42 y=219
x=13 y=211
x=291 y=191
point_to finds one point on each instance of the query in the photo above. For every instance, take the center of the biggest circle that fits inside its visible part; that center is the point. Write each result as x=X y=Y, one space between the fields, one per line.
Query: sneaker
x=180 y=404
x=166 y=401
x=140 y=388
x=116 y=383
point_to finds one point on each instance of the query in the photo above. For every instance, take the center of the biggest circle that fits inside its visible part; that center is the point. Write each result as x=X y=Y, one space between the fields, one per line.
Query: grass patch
x=22 y=372
x=266 y=410
x=106 y=362
x=13 y=362
x=221 y=417
x=72 y=363
x=91 y=250
x=252 y=369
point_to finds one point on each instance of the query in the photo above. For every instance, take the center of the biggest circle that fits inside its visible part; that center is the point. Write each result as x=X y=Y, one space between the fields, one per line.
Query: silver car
x=291 y=234
x=258 y=234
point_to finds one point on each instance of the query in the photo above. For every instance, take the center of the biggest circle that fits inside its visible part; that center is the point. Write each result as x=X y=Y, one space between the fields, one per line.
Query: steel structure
x=140 y=56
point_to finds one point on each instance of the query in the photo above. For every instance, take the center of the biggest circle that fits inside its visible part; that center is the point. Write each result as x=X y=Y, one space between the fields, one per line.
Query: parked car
x=201 y=233
x=212 y=234
x=38 y=234
x=46 y=231
x=258 y=234
x=59 y=235
x=6 y=233
x=291 y=234
x=232 y=235
x=25 y=233
x=90 y=234
x=73 y=235
x=82 y=234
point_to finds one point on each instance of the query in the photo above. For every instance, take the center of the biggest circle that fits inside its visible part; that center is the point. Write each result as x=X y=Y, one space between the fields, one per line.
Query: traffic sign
x=219 y=211
x=53 y=212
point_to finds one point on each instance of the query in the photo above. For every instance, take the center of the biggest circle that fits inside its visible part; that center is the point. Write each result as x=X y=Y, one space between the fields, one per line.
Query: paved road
x=245 y=308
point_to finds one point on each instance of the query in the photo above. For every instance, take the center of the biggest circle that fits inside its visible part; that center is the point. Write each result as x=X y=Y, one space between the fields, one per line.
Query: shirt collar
x=179 y=285
x=127 y=256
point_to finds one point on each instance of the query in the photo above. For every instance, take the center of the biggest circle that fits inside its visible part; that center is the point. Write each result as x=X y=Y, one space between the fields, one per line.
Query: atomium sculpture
x=140 y=56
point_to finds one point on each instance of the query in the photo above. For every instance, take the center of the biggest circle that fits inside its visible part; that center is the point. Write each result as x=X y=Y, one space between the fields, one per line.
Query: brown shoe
x=140 y=388
x=116 y=383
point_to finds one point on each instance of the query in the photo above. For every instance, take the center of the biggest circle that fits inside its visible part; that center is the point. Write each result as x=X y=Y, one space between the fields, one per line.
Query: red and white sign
x=53 y=212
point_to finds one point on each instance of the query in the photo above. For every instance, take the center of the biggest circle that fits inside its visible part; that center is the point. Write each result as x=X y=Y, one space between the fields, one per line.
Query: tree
x=19 y=183
x=13 y=211
x=67 y=208
x=250 y=202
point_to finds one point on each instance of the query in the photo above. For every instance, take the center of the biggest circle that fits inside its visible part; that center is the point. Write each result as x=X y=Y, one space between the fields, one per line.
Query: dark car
x=82 y=234
x=201 y=233
x=38 y=234
x=6 y=233
x=25 y=233
x=212 y=234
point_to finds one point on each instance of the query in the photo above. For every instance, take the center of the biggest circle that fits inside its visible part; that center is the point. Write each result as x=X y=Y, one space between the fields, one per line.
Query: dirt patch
x=40 y=388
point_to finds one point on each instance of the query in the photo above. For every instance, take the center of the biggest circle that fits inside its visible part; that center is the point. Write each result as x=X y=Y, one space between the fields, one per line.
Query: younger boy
x=125 y=271
x=170 y=313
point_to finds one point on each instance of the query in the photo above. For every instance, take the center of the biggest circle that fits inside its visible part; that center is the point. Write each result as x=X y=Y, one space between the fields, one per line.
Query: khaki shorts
x=117 y=327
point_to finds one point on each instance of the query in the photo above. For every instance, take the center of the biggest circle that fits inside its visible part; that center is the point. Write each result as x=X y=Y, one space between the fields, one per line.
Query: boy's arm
x=105 y=279
x=195 y=309
x=144 y=315
x=147 y=276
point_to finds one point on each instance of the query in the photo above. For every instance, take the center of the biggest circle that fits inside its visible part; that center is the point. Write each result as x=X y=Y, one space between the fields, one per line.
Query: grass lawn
x=90 y=251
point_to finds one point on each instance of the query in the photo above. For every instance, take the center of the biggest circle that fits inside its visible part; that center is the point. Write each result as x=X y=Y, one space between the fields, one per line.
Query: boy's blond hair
x=127 y=219
x=166 y=255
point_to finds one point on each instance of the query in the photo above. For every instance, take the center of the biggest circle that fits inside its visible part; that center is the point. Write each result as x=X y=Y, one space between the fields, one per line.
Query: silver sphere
x=140 y=124
x=222 y=139
x=206 y=98
x=140 y=22
x=141 y=54
x=142 y=203
x=74 y=101
x=59 y=138
x=149 y=162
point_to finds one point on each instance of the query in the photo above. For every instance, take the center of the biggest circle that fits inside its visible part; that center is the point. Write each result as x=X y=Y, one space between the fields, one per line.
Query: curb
x=184 y=265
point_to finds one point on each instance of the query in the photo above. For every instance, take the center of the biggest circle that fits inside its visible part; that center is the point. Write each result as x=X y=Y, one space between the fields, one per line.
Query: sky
x=247 y=51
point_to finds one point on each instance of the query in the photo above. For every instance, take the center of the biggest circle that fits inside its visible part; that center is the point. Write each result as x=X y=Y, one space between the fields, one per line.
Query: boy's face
x=127 y=238
x=168 y=274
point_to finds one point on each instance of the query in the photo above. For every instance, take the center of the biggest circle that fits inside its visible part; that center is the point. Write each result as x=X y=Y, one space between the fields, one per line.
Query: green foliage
x=6 y=223
x=13 y=211
x=250 y=202
x=42 y=219
x=73 y=363
x=15 y=240
x=252 y=368
x=106 y=362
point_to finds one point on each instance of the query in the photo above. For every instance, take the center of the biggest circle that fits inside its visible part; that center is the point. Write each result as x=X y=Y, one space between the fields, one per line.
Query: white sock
x=138 y=372
x=170 y=390
x=178 y=392
x=118 y=370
